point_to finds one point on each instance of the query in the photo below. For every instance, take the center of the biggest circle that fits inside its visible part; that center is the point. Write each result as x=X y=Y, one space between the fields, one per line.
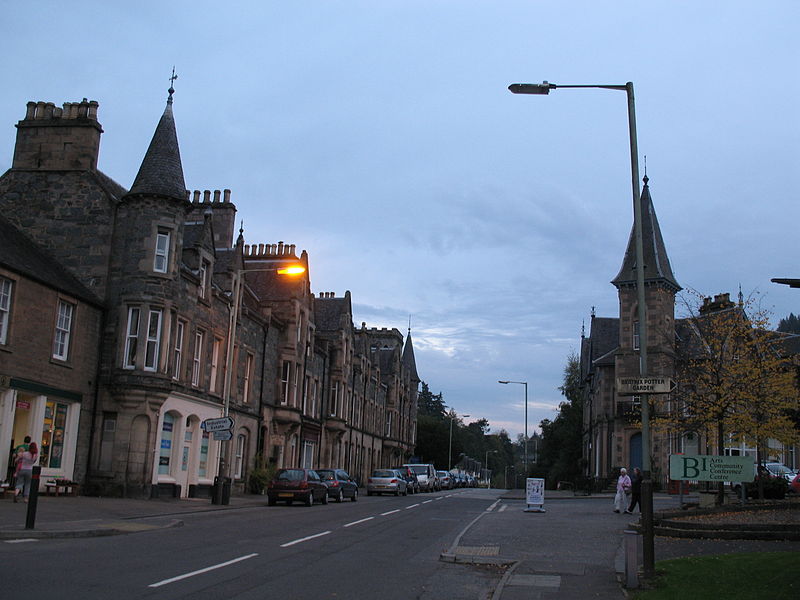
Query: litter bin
x=225 y=483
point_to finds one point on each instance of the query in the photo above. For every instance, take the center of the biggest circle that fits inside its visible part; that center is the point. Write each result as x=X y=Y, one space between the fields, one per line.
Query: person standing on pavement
x=623 y=491
x=636 y=491
x=25 y=462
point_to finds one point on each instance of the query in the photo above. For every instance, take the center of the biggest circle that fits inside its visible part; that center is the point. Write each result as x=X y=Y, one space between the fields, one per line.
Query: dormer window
x=161 y=260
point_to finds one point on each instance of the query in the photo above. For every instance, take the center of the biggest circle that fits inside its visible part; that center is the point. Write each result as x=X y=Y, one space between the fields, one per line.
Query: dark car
x=408 y=474
x=297 y=484
x=340 y=484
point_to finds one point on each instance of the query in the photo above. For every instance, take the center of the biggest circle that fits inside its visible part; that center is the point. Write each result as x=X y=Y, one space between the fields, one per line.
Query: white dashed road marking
x=198 y=572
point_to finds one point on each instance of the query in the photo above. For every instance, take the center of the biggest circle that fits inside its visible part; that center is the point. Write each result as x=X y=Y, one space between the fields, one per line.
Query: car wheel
x=355 y=496
x=288 y=502
x=340 y=496
x=405 y=492
x=397 y=492
x=310 y=499
x=271 y=502
x=369 y=493
x=325 y=497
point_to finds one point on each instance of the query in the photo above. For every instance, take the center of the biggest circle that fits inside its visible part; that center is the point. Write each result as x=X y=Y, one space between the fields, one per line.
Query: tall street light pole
x=525 y=454
x=453 y=416
x=647 y=484
x=288 y=267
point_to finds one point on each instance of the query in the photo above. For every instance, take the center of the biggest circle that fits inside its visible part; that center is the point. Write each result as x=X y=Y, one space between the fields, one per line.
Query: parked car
x=386 y=481
x=426 y=475
x=411 y=479
x=340 y=484
x=445 y=480
x=780 y=470
x=304 y=485
x=794 y=485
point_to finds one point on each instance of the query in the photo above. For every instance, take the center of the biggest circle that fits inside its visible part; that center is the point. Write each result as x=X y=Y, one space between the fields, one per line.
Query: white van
x=426 y=475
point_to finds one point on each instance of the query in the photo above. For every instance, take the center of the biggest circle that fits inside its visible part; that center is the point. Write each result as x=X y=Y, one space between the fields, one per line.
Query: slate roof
x=409 y=361
x=20 y=254
x=161 y=173
x=328 y=312
x=656 y=261
x=604 y=339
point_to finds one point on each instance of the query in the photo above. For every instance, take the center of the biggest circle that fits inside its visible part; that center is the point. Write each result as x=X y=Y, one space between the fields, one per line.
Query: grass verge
x=769 y=575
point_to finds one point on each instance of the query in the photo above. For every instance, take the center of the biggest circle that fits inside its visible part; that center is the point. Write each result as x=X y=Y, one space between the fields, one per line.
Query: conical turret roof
x=408 y=360
x=161 y=173
x=656 y=262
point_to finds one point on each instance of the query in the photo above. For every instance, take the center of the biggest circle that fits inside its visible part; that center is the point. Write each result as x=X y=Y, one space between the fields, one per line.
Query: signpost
x=223 y=436
x=534 y=495
x=635 y=386
x=220 y=424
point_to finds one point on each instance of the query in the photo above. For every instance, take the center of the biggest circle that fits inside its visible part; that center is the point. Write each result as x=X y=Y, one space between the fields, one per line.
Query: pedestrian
x=636 y=490
x=623 y=491
x=23 y=446
x=25 y=462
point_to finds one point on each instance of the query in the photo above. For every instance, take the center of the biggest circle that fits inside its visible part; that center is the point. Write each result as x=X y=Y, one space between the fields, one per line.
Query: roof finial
x=646 y=179
x=171 y=90
x=409 y=324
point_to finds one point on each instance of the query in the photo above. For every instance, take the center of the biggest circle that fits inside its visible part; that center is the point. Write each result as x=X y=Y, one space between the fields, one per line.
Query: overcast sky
x=380 y=136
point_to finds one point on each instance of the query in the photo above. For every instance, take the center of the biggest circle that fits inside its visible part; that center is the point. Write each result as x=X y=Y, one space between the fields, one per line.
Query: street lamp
x=288 y=267
x=453 y=416
x=525 y=455
x=647 y=484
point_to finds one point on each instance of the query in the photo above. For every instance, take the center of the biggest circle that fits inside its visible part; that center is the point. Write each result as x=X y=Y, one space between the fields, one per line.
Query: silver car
x=386 y=481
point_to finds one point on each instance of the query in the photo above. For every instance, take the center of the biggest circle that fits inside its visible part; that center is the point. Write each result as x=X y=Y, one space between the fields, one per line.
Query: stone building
x=178 y=323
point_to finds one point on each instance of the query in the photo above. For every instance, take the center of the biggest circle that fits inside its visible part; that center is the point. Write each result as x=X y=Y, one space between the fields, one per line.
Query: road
x=378 y=547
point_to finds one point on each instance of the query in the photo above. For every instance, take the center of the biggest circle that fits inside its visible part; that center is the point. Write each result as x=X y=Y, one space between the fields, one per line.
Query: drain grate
x=478 y=550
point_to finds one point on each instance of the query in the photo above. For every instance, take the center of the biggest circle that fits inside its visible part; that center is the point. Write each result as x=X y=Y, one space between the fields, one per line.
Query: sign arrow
x=220 y=424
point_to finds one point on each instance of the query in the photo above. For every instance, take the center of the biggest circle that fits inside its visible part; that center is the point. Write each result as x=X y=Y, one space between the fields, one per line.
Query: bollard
x=33 y=498
x=633 y=546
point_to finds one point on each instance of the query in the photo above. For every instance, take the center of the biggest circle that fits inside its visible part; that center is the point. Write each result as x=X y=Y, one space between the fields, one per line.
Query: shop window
x=153 y=341
x=202 y=469
x=5 y=308
x=63 y=330
x=51 y=453
x=165 y=450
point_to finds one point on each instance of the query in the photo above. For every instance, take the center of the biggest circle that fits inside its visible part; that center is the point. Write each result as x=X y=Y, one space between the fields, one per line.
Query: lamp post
x=525 y=453
x=288 y=267
x=453 y=416
x=647 y=484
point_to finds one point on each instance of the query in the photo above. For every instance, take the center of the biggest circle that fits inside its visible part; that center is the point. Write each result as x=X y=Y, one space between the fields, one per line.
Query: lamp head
x=292 y=270
x=541 y=89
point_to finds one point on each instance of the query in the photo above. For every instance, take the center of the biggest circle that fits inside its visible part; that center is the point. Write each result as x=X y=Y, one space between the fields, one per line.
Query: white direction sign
x=634 y=386
x=221 y=424
x=223 y=436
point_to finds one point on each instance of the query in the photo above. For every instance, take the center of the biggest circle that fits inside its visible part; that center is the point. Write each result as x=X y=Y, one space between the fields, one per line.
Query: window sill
x=61 y=363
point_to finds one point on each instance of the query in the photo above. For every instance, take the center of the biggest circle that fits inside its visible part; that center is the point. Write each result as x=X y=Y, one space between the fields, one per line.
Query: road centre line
x=439 y=498
x=357 y=522
x=390 y=512
x=503 y=507
x=426 y=501
x=200 y=571
x=412 y=506
x=21 y=541
x=305 y=539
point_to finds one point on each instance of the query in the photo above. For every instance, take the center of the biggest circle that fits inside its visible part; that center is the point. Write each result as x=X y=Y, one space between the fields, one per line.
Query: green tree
x=430 y=404
x=790 y=324
x=560 y=449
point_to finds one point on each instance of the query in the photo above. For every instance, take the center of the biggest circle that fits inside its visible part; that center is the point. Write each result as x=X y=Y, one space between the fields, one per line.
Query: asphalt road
x=378 y=547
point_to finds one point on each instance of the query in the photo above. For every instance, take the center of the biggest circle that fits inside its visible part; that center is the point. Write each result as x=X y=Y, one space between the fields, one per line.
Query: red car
x=794 y=484
x=304 y=485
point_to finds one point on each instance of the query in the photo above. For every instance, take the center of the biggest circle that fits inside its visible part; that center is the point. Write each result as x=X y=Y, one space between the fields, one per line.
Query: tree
x=790 y=324
x=733 y=378
x=560 y=450
x=430 y=404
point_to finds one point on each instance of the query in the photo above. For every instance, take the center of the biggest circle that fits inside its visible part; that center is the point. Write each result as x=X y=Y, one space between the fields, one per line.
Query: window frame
x=177 y=352
x=131 y=338
x=214 y=376
x=153 y=341
x=199 y=341
x=64 y=326
x=162 y=254
x=6 y=295
x=248 y=375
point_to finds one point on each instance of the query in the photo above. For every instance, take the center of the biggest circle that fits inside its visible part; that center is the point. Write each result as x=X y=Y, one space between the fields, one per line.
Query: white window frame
x=334 y=398
x=215 y=349
x=177 y=353
x=6 y=286
x=63 y=331
x=239 y=457
x=204 y=266
x=131 y=337
x=199 y=339
x=286 y=373
x=161 y=258
x=248 y=372
x=309 y=449
x=153 y=345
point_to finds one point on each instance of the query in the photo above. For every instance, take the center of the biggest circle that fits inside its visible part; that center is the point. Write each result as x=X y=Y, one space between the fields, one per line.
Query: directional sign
x=223 y=436
x=634 y=386
x=221 y=424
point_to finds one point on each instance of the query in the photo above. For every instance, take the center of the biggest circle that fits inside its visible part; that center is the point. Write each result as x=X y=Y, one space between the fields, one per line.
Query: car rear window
x=326 y=475
x=384 y=474
x=420 y=469
x=290 y=475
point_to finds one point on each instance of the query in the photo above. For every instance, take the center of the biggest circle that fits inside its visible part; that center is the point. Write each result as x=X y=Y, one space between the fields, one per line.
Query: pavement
x=560 y=554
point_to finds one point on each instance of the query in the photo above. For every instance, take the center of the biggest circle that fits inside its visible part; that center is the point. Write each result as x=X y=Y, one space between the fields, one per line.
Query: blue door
x=635 y=451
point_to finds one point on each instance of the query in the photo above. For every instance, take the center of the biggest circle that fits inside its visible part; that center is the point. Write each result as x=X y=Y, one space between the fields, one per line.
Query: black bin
x=225 y=482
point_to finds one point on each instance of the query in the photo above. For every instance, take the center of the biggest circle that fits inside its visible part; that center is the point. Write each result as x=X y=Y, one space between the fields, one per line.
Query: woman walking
x=623 y=489
x=25 y=461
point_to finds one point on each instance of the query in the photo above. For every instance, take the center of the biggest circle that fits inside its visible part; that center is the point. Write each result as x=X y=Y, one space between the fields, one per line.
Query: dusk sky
x=381 y=137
